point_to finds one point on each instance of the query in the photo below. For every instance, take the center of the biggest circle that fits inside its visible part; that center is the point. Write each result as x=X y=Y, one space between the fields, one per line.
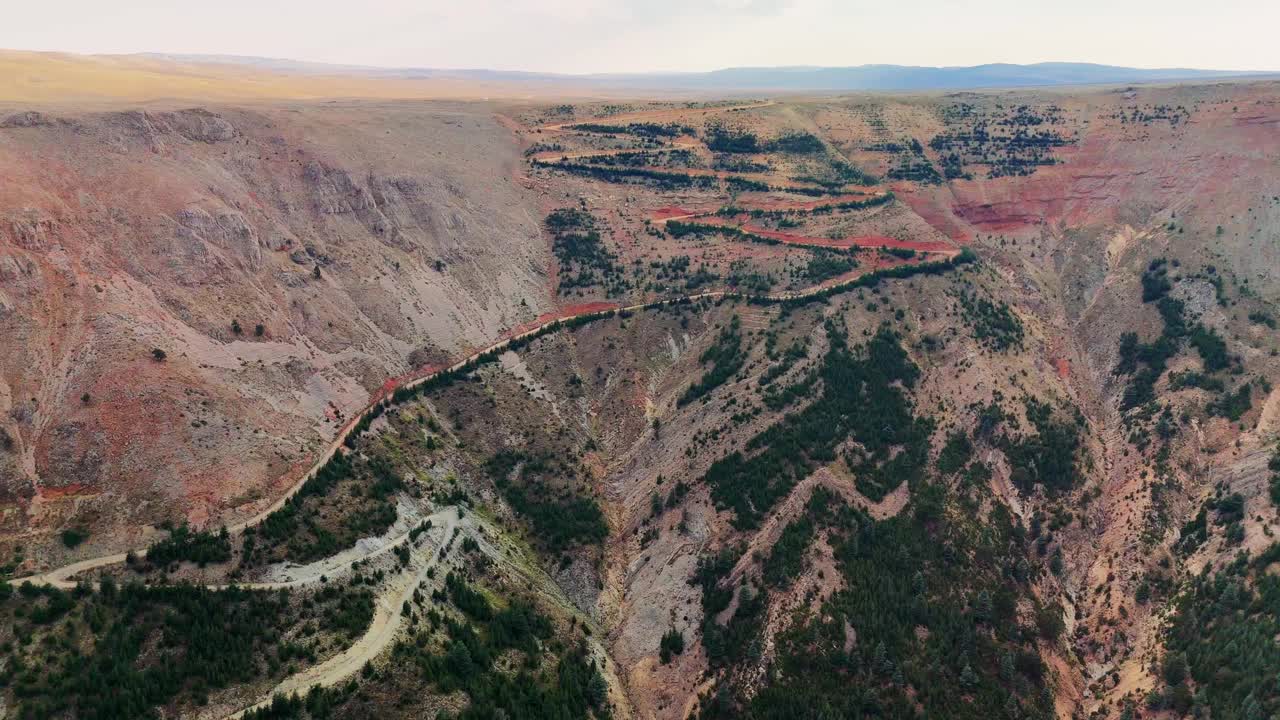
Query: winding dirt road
x=386 y=620
x=387 y=616
x=61 y=577
x=424 y=555
x=382 y=629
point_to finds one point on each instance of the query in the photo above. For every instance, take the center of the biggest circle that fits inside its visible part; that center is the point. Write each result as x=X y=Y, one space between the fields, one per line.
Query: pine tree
x=982 y=608
x=881 y=658
x=1006 y=666
x=1011 y=707
x=1250 y=709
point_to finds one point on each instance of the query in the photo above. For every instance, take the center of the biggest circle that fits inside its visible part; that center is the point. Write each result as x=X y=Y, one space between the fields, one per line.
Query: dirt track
x=386 y=619
x=382 y=629
x=387 y=609
x=61 y=577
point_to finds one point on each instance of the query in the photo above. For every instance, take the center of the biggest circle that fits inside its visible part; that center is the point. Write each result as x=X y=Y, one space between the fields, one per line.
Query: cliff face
x=286 y=261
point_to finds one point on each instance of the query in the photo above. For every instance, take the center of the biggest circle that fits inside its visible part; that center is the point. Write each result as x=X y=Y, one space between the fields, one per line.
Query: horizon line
x=233 y=58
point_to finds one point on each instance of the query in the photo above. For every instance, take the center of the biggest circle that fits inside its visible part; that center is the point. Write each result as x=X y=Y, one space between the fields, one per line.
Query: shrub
x=721 y=139
x=672 y=644
x=72 y=537
x=797 y=143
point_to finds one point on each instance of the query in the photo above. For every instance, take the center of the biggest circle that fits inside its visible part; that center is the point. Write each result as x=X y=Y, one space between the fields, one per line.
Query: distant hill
x=903 y=77
x=796 y=78
x=69 y=78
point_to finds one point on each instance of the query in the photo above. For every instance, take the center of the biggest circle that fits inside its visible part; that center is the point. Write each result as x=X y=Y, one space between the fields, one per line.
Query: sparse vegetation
x=1007 y=141
x=661 y=179
x=560 y=520
x=726 y=357
x=585 y=261
x=912 y=164
x=994 y=325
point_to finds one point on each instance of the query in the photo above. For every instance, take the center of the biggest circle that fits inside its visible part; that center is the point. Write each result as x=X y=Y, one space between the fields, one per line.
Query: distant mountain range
x=784 y=79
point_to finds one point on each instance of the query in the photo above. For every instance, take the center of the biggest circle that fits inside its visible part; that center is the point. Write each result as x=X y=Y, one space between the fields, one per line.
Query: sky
x=597 y=36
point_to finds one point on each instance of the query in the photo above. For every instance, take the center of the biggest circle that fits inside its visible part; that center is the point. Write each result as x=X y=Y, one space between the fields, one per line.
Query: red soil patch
x=670 y=211
x=57 y=493
x=928 y=207
x=1063 y=366
x=999 y=217
x=389 y=386
x=567 y=311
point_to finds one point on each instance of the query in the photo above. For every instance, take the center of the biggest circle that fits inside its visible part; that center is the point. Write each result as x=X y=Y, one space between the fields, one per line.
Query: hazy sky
x=644 y=35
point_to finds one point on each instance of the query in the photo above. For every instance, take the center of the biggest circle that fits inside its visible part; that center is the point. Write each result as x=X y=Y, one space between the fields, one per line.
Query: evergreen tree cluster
x=305 y=529
x=585 y=261
x=1049 y=458
x=124 y=653
x=505 y=662
x=1221 y=656
x=561 y=519
x=640 y=129
x=926 y=623
x=864 y=400
x=994 y=325
x=1145 y=363
x=186 y=545
x=726 y=357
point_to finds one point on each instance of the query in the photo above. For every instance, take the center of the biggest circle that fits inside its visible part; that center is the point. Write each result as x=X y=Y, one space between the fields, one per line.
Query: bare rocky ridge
x=366 y=241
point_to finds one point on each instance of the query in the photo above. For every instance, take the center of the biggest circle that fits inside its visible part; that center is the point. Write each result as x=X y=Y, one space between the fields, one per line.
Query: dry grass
x=62 y=78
